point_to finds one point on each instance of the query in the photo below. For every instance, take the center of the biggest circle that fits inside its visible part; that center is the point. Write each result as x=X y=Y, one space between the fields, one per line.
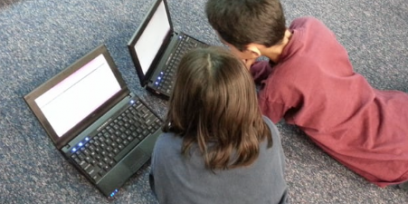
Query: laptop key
x=150 y=119
x=145 y=133
x=96 y=177
x=129 y=147
x=92 y=171
x=139 y=106
x=106 y=167
x=101 y=172
x=116 y=150
x=125 y=142
x=87 y=167
x=88 y=159
x=98 y=157
x=111 y=162
x=111 y=155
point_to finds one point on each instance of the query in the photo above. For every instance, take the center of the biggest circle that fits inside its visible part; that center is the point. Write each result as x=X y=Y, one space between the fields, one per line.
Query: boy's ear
x=253 y=48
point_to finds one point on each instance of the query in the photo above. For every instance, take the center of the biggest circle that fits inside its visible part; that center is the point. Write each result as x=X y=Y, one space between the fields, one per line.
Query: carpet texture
x=39 y=38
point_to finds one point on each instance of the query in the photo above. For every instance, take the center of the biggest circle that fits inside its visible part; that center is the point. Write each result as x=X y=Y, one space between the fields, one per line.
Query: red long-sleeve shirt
x=314 y=87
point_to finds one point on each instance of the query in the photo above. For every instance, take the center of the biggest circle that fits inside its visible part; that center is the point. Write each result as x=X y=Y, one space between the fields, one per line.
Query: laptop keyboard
x=164 y=82
x=99 y=153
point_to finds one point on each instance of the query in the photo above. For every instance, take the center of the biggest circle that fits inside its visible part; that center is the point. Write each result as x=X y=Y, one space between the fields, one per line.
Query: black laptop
x=156 y=50
x=87 y=110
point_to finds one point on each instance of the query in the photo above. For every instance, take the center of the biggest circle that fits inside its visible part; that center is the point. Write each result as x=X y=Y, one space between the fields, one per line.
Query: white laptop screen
x=73 y=99
x=152 y=37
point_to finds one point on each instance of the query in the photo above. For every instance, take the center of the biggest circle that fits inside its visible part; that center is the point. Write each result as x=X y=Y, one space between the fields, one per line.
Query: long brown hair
x=214 y=105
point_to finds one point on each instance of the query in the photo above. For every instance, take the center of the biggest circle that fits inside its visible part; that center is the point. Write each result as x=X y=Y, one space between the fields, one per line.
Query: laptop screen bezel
x=143 y=78
x=30 y=98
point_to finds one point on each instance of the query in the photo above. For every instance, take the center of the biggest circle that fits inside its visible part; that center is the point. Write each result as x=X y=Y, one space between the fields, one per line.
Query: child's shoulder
x=307 y=22
x=168 y=141
x=311 y=31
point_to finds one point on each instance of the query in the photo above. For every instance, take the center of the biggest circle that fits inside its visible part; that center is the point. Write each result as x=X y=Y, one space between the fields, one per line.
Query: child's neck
x=274 y=52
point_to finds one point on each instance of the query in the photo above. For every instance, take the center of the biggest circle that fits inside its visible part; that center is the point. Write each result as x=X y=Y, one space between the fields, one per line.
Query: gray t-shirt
x=177 y=179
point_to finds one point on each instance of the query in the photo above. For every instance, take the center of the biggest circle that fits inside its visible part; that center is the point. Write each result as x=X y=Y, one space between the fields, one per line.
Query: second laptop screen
x=152 y=37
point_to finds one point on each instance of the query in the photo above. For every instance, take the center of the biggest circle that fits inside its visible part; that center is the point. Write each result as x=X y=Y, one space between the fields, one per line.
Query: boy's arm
x=260 y=71
x=273 y=110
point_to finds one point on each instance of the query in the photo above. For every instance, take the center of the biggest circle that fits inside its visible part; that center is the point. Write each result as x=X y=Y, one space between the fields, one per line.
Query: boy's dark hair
x=241 y=22
x=214 y=106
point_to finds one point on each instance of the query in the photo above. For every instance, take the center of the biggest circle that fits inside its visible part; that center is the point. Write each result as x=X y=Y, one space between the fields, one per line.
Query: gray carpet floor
x=39 y=38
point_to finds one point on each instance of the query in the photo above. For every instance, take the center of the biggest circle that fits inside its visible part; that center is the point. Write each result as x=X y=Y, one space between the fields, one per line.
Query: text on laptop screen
x=70 y=101
x=152 y=37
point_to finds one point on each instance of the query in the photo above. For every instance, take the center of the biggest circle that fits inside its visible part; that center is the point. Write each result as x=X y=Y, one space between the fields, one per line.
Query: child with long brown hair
x=216 y=146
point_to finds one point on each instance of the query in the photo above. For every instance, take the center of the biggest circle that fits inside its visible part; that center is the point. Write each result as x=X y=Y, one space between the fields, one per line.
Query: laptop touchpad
x=135 y=159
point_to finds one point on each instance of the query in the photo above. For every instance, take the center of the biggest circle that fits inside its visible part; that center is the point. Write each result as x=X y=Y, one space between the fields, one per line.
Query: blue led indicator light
x=161 y=73
x=157 y=83
x=158 y=78
x=86 y=138
x=114 y=192
x=74 y=150
x=80 y=144
x=132 y=101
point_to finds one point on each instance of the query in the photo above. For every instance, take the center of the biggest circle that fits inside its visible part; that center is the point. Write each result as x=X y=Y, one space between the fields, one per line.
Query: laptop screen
x=77 y=96
x=150 y=41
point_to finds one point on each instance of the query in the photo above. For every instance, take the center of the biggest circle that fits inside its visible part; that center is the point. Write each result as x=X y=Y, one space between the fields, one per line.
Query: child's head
x=241 y=22
x=214 y=105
